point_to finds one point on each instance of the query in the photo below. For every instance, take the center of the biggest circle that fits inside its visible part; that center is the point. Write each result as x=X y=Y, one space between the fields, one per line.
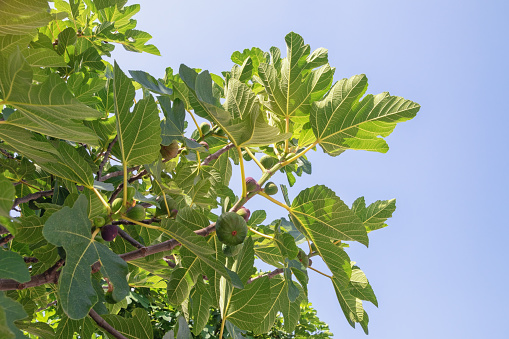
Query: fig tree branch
x=32 y=196
x=102 y=323
x=6 y=239
x=105 y=158
x=216 y=154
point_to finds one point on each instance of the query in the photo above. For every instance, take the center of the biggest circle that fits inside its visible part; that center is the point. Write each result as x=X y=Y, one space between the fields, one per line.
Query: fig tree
x=270 y=188
x=109 y=232
x=231 y=250
x=136 y=212
x=231 y=228
x=244 y=213
x=251 y=184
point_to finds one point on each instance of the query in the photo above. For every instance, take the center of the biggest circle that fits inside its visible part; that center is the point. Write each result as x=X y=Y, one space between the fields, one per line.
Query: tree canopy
x=116 y=203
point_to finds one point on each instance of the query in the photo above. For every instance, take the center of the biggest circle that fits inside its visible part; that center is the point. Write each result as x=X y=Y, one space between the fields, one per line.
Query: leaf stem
x=124 y=188
x=263 y=194
x=95 y=233
x=317 y=271
x=260 y=234
x=196 y=123
x=297 y=156
x=108 y=208
x=242 y=173
x=287 y=128
x=223 y=321
x=248 y=151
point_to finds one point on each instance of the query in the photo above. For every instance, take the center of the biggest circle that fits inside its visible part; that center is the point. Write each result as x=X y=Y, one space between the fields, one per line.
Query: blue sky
x=439 y=270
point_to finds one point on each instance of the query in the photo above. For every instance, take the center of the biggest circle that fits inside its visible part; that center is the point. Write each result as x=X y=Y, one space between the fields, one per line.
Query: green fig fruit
x=172 y=205
x=108 y=296
x=170 y=151
x=204 y=127
x=136 y=212
x=268 y=162
x=231 y=250
x=244 y=213
x=231 y=228
x=117 y=204
x=99 y=221
x=303 y=258
x=251 y=184
x=130 y=192
x=270 y=188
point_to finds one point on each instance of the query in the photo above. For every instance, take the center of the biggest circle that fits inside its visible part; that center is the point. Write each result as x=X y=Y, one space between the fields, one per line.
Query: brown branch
x=216 y=155
x=130 y=239
x=130 y=180
x=3 y=230
x=105 y=158
x=31 y=196
x=53 y=303
x=49 y=276
x=270 y=275
x=6 y=154
x=118 y=173
x=102 y=323
x=30 y=259
x=6 y=239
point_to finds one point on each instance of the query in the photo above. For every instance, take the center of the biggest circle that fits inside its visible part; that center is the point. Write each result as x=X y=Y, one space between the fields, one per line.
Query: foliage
x=79 y=135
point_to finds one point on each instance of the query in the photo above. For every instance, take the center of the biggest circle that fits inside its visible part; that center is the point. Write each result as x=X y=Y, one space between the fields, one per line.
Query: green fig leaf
x=70 y=228
x=12 y=266
x=374 y=216
x=10 y=311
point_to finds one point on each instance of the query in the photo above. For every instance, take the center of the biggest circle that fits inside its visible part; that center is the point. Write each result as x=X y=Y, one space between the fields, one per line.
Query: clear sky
x=440 y=269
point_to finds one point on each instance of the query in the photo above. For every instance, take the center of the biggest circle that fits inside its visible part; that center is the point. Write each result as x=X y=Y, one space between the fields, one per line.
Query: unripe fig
x=61 y=252
x=117 y=204
x=108 y=296
x=231 y=250
x=130 y=192
x=244 y=213
x=231 y=228
x=270 y=188
x=247 y=157
x=109 y=232
x=204 y=127
x=136 y=212
x=204 y=144
x=99 y=221
x=251 y=184
x=303 y=258
x=172 y=205
x=268 y=162
x=170 y=151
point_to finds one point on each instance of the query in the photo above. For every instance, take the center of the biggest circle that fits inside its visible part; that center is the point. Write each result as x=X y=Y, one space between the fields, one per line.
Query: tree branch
x=102 y=323
x=105 y=158
x=3 y=230
x=49 y=276
x=130 y=239
x=216 y=155
x=6 y=239
x=31 y=196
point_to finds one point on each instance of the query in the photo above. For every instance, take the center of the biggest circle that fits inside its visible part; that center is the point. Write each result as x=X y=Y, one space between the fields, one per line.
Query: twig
x=216 y=155
x=32 y=196
x=102 y=323
x=270 y=275
x=49 y=276
x=118 y=173
x=130 y=239
x=6 y=239
x=6 y=154
x=130 y=180
x=30 y=259
x=3 y=230
x=105 y=158
x=53 y=303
